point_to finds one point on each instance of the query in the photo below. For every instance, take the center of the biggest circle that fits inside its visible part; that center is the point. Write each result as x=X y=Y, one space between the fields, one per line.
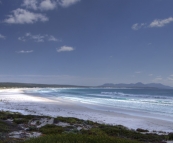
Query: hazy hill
x=136 y=85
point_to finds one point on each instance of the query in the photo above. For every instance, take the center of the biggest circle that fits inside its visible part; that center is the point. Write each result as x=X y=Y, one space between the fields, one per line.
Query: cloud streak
x=138 y=72
x=2 y=36
x=22 y=16
x=170 y=78
x=45 y=5
x=38 y=38
x=65 y=49
x=24 y=52
x=22 y=39
x=67 y=3
x=161 y=22
x=30 y=4
x=157 y=23
x=138 y=26
x=158 y=78
x=48 y=5
x=52 y=38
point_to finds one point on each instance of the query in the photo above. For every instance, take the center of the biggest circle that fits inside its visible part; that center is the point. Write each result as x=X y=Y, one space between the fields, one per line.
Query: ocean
x=152 y=101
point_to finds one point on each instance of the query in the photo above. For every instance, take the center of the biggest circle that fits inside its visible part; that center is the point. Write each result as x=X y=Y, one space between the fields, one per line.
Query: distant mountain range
x=106 y=85
x=136 y=85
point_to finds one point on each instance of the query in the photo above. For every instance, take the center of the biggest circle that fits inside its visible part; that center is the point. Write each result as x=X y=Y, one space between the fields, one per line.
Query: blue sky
x=86 y=42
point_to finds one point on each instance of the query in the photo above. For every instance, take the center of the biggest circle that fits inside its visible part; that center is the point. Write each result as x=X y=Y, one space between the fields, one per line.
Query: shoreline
x=18 y=101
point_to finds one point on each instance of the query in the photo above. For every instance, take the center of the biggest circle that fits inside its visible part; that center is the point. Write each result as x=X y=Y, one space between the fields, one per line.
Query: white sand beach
x=15 y=100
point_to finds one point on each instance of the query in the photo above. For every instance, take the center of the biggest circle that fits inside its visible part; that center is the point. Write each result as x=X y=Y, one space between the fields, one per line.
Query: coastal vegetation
x=15 y=127
x=33 y=85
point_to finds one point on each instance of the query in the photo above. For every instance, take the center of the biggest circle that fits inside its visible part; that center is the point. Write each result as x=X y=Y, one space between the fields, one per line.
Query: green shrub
x=51 y=129
x=94 y=132
x=141 y=130
x=20 y=120
x=76 y=138
x=32 y=128
x=120 y=131
x=3 y=127
x=69 y=120
x=170 y=136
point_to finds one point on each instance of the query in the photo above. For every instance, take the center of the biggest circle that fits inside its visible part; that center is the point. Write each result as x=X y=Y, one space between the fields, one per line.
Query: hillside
x=136 y=85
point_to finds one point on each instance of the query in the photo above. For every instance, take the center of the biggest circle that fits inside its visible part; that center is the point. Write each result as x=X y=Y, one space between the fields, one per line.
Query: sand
x=16 y=100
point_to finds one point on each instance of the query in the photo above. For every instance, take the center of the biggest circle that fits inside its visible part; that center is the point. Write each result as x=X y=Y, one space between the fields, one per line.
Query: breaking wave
x=153 y=101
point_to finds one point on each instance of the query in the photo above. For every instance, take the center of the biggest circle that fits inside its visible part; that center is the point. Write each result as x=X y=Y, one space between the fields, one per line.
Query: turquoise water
x=155 y=101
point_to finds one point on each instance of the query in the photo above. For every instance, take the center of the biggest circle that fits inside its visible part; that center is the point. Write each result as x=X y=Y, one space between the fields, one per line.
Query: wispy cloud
x=48 y=5
x=170 y=78
x=24 y=52
x=65 y=49
x=67 y=3
x=45 y=5
x=2 y=36
x=40 y=5
x=22 y=16
x=161 y=22
x=30 y=4
x=150 y=75
x=158 y=78
x=52 y=38
x=38 y=38
x=154 y=23
x=138 y=26
x=138 y=72
x=22 y=39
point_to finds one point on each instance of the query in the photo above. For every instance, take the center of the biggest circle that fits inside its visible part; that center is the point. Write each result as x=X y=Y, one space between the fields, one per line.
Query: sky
x=86 y=42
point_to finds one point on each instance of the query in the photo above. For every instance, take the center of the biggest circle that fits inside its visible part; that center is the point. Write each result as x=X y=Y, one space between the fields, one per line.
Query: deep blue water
x=157 y=101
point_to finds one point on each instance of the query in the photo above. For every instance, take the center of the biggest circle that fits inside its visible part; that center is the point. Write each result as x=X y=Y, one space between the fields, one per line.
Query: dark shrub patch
x=51 y=129
x=20 y=120
x=69 y=120
x=170 y=136
x=76 y=138
x=3 y=127
x=141 y=130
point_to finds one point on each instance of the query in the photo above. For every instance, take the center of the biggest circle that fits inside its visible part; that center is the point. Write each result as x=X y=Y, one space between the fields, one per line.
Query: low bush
x=170 y=136
x=76 y=138
x=3 y=127
x=20 y=120
x=120 y=131
x=51 y=129
x=69 y=120
x=141 y=130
